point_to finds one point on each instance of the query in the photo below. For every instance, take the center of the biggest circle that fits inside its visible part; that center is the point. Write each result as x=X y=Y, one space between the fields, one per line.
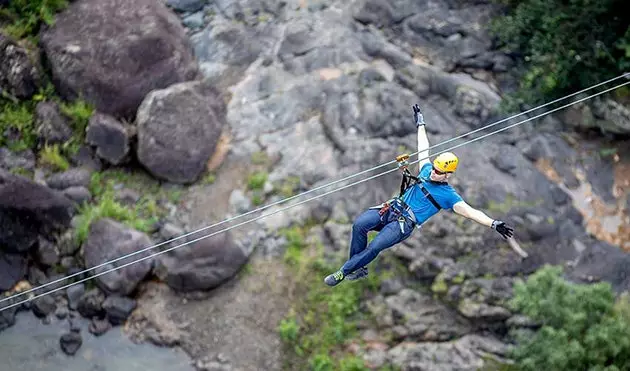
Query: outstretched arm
x=423 y=140
x=467 y=211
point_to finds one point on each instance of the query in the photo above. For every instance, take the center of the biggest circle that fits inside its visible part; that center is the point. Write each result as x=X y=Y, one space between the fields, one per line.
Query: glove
x=417 y=115
x=503 y=229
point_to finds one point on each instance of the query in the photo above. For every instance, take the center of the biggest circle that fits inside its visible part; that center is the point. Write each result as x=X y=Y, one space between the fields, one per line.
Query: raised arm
x=423 y=140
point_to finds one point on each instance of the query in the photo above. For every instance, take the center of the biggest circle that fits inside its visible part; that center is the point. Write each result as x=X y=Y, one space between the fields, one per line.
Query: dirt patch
x=234 y=324
x=608 y=222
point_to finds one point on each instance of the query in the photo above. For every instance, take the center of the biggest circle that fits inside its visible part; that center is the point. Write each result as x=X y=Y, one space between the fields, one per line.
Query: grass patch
x=108 y=207
x=51 y=156
x=141 y=216
x=18 y=121
x=257 y=180
x=322 y=320
x=23 y=18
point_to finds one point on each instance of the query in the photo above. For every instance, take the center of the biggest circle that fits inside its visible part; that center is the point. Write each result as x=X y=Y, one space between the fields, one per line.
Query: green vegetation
x=142 y=215
x=23 y=18
x=583 y=326
x=322 y=320
x=565 y=46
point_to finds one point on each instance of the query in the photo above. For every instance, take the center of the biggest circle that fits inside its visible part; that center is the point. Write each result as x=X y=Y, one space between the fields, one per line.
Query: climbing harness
x=409 y=180
x=401 y=210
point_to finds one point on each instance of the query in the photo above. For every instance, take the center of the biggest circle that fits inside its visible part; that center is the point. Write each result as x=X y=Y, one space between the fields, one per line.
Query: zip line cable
x=627 y=75
x=304 y=201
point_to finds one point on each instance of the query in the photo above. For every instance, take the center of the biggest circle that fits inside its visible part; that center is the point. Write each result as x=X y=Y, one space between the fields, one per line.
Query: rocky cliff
x=206 y=110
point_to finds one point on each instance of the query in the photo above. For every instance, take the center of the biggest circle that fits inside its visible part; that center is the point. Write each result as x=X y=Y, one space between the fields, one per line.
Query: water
x=33 y=346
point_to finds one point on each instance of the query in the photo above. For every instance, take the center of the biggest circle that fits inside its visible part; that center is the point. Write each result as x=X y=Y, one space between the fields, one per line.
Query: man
x=396 y=219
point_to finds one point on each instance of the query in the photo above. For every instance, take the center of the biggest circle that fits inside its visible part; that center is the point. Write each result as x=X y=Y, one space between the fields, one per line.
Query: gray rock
x=51 y=126
x=107 y=240
x=76 y=177
x=110 y=137
x=93 y=50
x=468 y=353
x=46 y=253
x=99 y=326
x=71 y=342
x=186 y=5
x=91 y=303
x=171 y=151
x=78 y=194
x=118 y=309
x=18 y=75
x=20 y=160
x=202 y=265
x=28 y=209
x=194 y=21
x=170 y=231
x=75 y=295
x=44 y=306
x=424 y=318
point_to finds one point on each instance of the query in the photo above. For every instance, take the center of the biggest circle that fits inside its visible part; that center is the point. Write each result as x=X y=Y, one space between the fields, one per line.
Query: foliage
x=24 y=17
x=323 y=320
x=583 y=328
x=565 y=45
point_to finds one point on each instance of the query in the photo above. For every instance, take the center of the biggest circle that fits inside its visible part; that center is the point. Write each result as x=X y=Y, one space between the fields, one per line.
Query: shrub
x=565 y=45
x=583 y=328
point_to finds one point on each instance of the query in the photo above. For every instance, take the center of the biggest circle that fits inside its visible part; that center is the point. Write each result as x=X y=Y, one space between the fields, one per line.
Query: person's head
x=443 y=166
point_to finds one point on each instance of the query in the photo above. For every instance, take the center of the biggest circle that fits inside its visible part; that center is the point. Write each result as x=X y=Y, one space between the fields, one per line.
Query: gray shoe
x=358 y=274
x=334 y=279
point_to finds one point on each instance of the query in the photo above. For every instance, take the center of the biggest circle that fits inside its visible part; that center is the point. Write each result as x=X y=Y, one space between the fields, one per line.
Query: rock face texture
x=178 y=130
x=306 y=92
x=112 y=53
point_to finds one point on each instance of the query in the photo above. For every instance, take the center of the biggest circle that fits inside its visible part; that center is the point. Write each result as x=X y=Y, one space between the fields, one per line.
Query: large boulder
x=113 y=52
x=28 y=209
x=178 y=130
x=108 y=240
x=202 y=265
x=19 y=74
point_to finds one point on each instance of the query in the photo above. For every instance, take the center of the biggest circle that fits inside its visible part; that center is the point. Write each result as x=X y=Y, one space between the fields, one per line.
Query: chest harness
x=396 y=205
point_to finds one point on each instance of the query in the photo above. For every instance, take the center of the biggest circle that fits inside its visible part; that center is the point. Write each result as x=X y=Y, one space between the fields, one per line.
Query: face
x=438 y=176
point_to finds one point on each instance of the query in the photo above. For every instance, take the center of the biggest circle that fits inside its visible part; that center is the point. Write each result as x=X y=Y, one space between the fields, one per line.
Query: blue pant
x=389 y=234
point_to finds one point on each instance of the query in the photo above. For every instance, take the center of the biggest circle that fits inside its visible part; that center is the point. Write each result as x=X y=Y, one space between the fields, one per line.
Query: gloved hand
x=503 y=229
x=417 y=116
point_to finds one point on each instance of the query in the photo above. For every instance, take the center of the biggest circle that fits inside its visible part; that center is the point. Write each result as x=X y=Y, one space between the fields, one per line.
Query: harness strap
x=406 y=183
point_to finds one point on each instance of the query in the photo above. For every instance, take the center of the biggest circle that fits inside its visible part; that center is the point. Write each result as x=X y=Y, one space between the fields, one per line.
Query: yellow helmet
x=446 y=162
